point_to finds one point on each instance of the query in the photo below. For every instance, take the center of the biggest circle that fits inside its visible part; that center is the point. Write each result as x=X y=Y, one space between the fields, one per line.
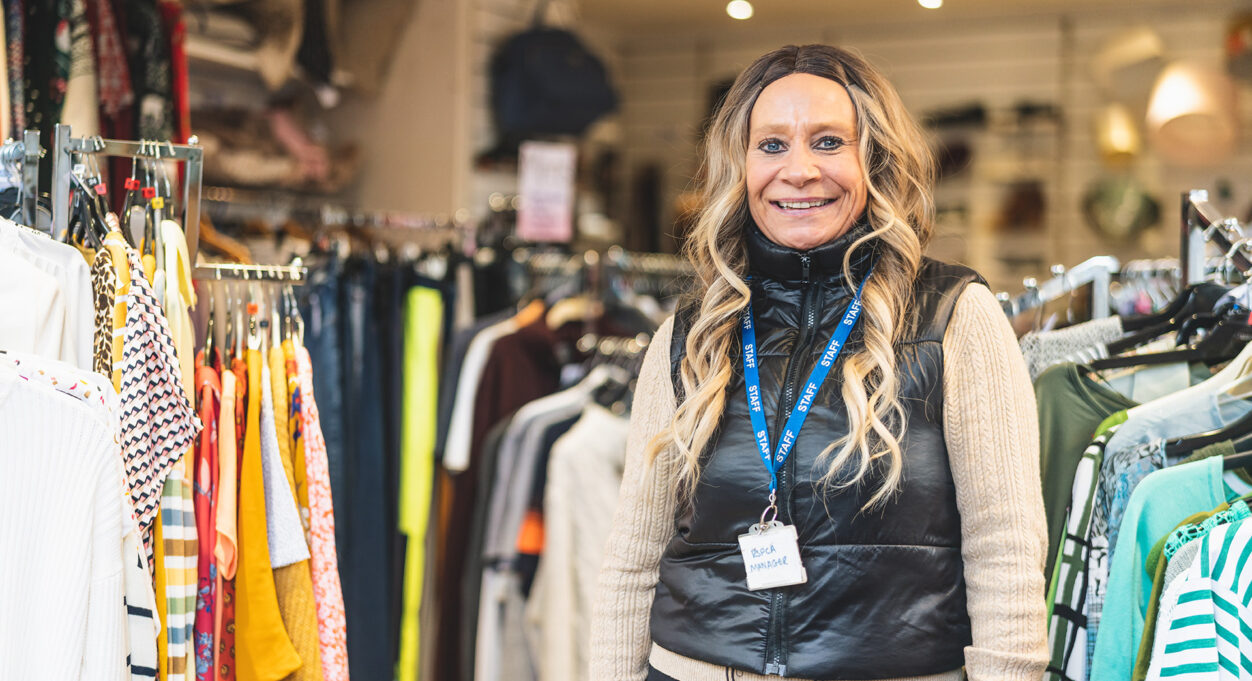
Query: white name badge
x=771 y=554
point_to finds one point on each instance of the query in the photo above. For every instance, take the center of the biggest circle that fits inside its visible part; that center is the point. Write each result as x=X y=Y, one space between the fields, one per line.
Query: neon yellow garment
x=423 y=322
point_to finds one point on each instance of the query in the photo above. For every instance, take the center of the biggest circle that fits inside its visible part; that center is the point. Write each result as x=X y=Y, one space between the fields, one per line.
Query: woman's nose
x=801 y=167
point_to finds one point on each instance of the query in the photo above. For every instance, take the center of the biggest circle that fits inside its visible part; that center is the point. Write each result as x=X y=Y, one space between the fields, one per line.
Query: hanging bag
x=544 y=81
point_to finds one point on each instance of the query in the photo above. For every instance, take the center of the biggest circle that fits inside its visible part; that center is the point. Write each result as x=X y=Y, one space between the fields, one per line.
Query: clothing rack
x=26 y=153
x=1097 y=271
x=630 y=262
x=1204 y=224
x=63 y=165
x=228 y=203
x=295 y=273
x=613 y=346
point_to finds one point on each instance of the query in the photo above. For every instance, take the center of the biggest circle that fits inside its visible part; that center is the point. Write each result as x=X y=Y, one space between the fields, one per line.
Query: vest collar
x=825 y=263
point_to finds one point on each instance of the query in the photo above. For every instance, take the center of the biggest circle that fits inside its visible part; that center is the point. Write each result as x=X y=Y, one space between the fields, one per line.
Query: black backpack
x=544 y=81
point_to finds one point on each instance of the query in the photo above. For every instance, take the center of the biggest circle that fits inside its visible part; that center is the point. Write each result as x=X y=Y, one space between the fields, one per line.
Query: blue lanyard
x=752 y=378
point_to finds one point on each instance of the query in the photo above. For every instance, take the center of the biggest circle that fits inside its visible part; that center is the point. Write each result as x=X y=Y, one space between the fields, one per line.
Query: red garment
x=209 y=395
x=226 y=645
x=112 y=71
x=176 y=28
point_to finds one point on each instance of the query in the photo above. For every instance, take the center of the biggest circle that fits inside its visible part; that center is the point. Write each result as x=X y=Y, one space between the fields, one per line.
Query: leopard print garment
x=104 y=284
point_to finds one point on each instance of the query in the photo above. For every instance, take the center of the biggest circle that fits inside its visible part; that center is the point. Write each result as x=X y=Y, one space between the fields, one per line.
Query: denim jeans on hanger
x=319 y=306
x=364 y=567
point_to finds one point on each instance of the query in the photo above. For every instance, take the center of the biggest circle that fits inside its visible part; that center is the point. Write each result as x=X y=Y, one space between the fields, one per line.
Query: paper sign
x=546 y=191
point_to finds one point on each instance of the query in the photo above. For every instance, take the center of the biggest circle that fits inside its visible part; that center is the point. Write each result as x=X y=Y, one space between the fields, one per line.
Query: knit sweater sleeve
x=642 y=525
x=991 y=429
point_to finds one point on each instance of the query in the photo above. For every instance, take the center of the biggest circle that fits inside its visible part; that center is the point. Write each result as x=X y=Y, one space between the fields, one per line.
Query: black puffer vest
x=885 y=595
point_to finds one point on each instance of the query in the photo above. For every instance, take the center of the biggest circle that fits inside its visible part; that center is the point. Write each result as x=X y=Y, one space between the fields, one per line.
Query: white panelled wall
x=666 y=79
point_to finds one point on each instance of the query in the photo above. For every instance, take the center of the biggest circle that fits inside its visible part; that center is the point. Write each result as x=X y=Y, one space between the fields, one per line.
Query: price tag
x=158 y=202
x=771 y=555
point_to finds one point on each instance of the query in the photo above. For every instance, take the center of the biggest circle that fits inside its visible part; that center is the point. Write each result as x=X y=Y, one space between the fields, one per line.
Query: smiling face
x=804 y=180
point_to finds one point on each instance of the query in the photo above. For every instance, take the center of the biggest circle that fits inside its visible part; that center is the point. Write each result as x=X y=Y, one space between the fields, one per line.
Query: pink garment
x=327 y=592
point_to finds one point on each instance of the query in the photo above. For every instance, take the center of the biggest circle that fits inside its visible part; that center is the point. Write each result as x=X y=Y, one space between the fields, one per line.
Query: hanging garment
x=32 y=313
x=227 y=666
x=177 y=562
x=584 y=475
x=283 y=528
x=15 y=34
x=6 y=110
x=321 y=311
x=1208 y=636
x=118 y=250
x=292 y=582
x=72 y=276
x=421 y=372
x=81 y=106
x=60 y=503
x=1071 y=407
x=104 y=285
x=97 y=392
x=263 y=650
x=1133 y=450
x=1182 y=544
x=209 y=389
x=1079 y=343
x=295 y=428
x=361 y=530
x=180 y=295
x=142 y=625
x=523 y=456
x=112 y=73
x=150 y=70
x=225 y=547
x=1156 y=506
x=327 y=592
x=158 y=423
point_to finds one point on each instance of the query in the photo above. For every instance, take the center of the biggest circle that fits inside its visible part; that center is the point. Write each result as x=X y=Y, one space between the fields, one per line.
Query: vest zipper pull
x=805 y=261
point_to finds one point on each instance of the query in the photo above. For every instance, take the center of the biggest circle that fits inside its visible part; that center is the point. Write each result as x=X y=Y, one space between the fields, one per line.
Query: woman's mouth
x=802 y=205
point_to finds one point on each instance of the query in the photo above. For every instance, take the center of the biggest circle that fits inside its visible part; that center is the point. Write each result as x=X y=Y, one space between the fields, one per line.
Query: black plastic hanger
x=1184 y=446
x=1242 y=458
x=1192 y=299
x=1226 y=340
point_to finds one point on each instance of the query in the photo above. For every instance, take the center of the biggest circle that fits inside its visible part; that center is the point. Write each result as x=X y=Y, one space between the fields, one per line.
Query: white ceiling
x=623 y=16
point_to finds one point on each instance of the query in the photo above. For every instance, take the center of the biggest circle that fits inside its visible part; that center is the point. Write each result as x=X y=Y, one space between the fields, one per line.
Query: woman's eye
x=829 y=143
x=770 y=146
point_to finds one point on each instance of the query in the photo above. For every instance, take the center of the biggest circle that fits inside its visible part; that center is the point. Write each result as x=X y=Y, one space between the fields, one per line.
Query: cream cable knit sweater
x=991 y=429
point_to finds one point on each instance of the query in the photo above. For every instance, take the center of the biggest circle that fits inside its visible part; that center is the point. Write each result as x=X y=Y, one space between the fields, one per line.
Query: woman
x=882 y=521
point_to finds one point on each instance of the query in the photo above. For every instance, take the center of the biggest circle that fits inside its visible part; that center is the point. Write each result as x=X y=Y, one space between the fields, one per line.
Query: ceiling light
x=930 y=4
x=1191 y=115
x=739 y=9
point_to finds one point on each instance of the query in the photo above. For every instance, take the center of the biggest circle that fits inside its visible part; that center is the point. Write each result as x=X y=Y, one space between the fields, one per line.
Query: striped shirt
x=1208 y=633
x=1067 y=626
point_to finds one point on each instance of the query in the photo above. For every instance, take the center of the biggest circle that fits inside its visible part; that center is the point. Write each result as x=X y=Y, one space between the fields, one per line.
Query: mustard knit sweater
x=991 y=430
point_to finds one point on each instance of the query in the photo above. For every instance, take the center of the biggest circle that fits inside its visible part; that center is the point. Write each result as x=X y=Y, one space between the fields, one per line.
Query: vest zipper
x=775 y=651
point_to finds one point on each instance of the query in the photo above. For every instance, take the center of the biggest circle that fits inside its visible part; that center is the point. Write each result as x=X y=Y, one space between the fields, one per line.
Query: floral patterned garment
x=327 y=590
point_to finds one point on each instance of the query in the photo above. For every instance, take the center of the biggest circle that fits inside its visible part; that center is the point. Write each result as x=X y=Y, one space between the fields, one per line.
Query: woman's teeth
x=797 y=205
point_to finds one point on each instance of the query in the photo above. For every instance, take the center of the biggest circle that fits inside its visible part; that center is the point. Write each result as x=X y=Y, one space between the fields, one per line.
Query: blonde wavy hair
x=899 y=170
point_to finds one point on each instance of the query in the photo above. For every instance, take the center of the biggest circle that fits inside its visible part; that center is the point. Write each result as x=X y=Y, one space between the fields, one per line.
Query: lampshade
x=1128 y=63
x=1117 y=134
x=1191 y=115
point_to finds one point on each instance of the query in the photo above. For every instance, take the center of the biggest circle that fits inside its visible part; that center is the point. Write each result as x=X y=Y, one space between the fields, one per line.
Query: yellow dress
x=263 y=652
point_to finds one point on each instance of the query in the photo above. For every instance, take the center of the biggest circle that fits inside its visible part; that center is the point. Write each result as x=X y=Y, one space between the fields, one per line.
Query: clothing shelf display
x=1144 y=421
